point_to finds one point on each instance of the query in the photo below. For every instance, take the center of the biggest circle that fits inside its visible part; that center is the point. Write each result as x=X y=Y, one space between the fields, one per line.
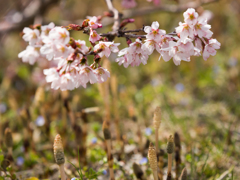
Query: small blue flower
x=73 y=178
x=104 y=172
x=144 y=160
x=179 y=87
x=20 y=161
x=94 y=140
x=40 y=121
x=148 y=131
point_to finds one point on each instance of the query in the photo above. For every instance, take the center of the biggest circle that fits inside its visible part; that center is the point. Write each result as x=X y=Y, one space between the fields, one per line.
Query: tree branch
x=29 y=13
x=165 y=8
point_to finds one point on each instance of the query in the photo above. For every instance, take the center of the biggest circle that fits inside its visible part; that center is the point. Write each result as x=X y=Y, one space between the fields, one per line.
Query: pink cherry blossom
x=125 y=57
x=86 y=75
x=93 y=23
x=31 y=54
x=31 y=35
x=139 y=58
x=202 y=29
x=105 y=48
x=59 y=35
x=81 y=45
x=129 y=4
x=135 y=47
x=153 y=33
x=94 y=36
x=149 y=46
x=102 y=74
x=190 y=16
x=185 y=30
x=198 y=44
x=210 y=48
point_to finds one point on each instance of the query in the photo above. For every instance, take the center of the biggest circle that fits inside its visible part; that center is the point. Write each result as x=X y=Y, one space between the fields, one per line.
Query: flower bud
x=85 y=23
x=170 y=145
x=106 y=130
x=152 y=157
x=157 y=118
x=183 y=174
x=58 y=150
x=8 y=138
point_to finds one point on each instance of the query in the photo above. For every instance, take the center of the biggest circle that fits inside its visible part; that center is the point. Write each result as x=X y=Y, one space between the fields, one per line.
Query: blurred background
x=200 y=100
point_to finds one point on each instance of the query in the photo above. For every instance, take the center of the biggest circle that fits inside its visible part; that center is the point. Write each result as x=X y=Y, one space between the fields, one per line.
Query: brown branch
x=117 y=16
x=165 y=8
x=29 y=13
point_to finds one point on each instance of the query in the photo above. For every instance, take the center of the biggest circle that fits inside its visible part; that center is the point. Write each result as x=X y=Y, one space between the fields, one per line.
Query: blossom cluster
x=68 y=55
x=191 y=38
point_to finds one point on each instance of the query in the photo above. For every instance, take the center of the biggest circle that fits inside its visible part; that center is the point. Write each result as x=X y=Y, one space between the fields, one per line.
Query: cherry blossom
x=93 y=23
x=153 y=33
x=202 y=29
x=70 y=67
x=81 y=45
x=46 y=29
x=94 y=36
x=47 y=50
x=30 y=55
x=86 y=75
x=210 y=48
x=190 y=16
x=59 y=35
x=185 y=30
x=102 y=74
x=31 y=35
x=61 y=50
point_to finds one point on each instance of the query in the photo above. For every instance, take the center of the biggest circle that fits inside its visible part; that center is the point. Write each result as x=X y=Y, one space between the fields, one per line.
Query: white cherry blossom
x=31 y=54
x=59 y=35
x=102 y=74
x=31 y=35
x=46 y=29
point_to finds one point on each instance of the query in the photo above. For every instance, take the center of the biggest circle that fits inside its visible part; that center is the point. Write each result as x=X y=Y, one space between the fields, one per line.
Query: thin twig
x=117 y=17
